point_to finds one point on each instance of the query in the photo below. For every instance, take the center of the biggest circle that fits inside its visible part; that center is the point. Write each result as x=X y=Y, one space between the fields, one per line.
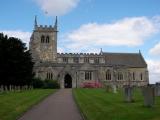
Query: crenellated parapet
x=43 y=42
x=80 y=58
x=45 y=28
x=79 y=55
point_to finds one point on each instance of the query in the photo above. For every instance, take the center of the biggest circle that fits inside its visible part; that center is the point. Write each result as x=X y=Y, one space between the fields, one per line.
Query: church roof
x=126 y=59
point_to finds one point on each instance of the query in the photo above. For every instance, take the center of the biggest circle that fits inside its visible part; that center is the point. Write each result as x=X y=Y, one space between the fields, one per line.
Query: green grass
x=14 y=104
x=97 y=104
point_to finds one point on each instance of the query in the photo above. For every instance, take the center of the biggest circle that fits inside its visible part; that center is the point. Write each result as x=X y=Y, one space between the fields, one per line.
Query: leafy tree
x=15 y=62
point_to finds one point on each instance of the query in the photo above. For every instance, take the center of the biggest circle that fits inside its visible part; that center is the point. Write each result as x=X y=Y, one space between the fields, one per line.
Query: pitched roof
x=126 y=59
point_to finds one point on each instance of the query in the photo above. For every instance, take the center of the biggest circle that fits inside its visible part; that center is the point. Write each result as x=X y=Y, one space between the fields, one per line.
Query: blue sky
x=88 y=25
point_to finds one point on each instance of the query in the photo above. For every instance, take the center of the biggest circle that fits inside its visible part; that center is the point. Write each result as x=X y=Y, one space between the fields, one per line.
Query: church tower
x=43 y=42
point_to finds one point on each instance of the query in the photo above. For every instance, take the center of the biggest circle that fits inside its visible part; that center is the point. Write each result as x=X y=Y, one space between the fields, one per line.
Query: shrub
x=37 y=83
x=46 y=84
x=91 y=84
x=51 y=84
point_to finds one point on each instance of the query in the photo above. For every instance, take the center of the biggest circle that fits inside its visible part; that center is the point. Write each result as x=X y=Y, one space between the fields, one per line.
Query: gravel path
x=58 y=106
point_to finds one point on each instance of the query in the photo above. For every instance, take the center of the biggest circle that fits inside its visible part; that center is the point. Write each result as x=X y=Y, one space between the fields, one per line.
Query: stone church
x=71 y=70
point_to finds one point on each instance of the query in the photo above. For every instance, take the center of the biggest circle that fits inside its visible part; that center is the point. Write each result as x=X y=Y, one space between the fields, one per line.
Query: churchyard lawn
x=14 y=104
x=97 y=104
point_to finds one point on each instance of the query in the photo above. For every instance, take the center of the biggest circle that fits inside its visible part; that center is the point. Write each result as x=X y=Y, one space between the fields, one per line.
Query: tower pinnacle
x=35 y=22
x=101 y=52
x=56 y=22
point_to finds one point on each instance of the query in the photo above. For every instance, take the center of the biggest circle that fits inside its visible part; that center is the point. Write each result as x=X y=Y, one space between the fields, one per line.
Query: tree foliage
x=15 y=62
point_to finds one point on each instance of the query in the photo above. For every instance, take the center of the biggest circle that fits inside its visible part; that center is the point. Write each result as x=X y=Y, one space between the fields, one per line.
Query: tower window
x=42 y=39
x=47 y=39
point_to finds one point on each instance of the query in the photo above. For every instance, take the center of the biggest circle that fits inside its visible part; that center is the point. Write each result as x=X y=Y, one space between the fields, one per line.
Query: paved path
x=58 y=106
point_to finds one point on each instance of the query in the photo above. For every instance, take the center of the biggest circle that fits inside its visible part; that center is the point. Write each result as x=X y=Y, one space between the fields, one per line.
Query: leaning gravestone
x=149 y=95
x=128 y=93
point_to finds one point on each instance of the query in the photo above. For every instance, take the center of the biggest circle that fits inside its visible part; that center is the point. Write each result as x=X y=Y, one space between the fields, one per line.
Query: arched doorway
x=67 y=81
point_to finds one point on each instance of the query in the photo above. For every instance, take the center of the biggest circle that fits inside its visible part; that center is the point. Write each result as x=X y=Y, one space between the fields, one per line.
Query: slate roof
x=126 y=59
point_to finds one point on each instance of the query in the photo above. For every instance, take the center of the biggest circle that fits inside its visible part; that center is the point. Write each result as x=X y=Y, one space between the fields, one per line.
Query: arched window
x=108 y=75
x=141 y=76
x=120 y=76
x=88 y=75
x=42 y=39
x=133 y=76
x=49 y=76
x=47 y=39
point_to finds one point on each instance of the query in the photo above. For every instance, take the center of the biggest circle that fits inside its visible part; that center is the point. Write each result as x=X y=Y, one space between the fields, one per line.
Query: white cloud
x=57 y=7
x=126 y=32
x=155 y=50
x=60 y=50
x=154 y=70
x=24 y=36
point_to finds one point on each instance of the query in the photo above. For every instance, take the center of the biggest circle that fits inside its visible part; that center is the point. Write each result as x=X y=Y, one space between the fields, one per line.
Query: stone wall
x=77 y=72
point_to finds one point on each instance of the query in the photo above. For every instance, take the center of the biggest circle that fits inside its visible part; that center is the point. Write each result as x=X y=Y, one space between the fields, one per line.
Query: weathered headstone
x=149 y=95
x=128 y=93
x=157 y=89
x=114 y=88
x=10 y=87
x=108 y=88
x=6 y=88
x=1 y=88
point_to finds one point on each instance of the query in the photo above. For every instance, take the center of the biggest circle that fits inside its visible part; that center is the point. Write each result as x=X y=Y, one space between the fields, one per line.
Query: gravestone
x=157 y=89
x=128 y=93
x=114 y=88
x=1 y=88
x=149 y=95
x=108 y=88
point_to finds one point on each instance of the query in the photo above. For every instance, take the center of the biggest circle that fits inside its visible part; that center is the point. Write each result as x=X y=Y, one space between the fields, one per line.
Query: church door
x=67 y=81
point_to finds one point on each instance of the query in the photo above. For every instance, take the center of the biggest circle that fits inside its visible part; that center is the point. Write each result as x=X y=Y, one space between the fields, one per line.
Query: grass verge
x=97 y=104
x=14 y=104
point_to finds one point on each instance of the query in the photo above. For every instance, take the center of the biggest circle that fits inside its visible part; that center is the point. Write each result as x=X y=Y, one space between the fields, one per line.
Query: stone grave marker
x=128 y=93
x=108 y=88
x=114 y=88
x=149 y=95
x=157 y=89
